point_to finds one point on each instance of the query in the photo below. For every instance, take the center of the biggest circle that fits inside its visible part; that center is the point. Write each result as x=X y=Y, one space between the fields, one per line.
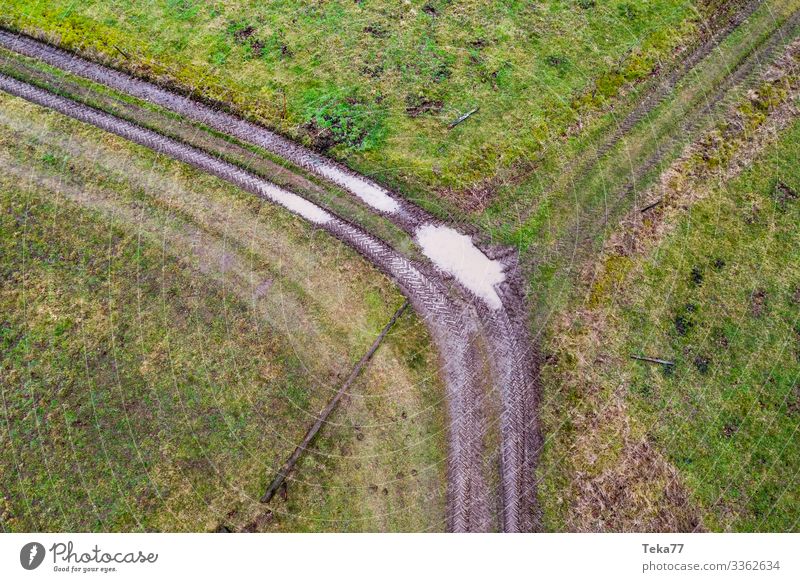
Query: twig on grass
x=651 y=205
x=653 y=360
x=122 y=52
x=462 y=118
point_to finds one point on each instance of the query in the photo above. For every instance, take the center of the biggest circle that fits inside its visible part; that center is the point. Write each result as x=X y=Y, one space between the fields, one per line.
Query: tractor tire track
x=579 y=167
x=456 y=325
x=511 y=358
x=590 y=221
x=514 y=377
x=658 y=94
x=516 y=372
x=379 y=199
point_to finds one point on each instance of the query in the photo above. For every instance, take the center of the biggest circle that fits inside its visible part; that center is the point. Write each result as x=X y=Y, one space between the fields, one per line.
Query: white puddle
x=297 y=204
x=455 y=254
x=374 y=196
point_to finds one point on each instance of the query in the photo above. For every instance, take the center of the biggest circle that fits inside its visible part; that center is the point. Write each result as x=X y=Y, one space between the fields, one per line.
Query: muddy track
x=512 y=359
x=470 y=335
x=378 y=198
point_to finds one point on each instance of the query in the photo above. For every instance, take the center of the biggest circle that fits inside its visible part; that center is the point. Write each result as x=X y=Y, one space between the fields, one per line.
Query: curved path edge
x=458 y=329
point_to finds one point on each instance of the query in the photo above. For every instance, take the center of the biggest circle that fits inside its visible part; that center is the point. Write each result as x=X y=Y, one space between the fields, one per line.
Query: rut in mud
x=464 y=264
x=376 y=197
x=471 y=333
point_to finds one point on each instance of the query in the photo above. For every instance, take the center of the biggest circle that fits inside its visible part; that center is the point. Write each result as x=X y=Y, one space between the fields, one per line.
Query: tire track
x=456 y=325
x=658 y=95
x=378 y=198
x=503 y=326
x=579 y=167
x=588 y=226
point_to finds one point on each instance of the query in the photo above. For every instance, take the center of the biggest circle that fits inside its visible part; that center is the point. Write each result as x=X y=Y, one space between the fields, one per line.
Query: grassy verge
x=709 y=442
x=166 y=341
x=377 y=82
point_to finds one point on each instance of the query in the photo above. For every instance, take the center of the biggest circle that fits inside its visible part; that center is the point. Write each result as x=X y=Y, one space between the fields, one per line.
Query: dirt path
x=472 y=334
x=375 y=196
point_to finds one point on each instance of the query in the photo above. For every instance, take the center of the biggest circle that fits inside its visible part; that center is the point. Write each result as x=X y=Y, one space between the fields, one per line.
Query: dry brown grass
x=618 y=480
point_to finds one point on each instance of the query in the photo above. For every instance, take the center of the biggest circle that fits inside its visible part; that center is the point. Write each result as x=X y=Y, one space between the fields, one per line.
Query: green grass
x=379 y=81
x=712 y=440
x=166 y=341
x=376 y=83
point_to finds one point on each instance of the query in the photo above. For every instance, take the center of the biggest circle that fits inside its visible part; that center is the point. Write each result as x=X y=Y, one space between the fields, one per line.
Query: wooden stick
x=122 y=52
x=653 y=360
x=287 y=467
x=462 y=118
x=649 y=206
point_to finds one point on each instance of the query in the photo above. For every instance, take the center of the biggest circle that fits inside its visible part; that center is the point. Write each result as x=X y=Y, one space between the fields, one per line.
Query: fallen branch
x=287 y=467
x=653 y=360
x=464 y=117
x=652 y=205
x=122 y=52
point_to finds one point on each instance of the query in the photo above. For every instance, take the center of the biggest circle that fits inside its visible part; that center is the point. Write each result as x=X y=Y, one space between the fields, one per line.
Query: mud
x=470 y=335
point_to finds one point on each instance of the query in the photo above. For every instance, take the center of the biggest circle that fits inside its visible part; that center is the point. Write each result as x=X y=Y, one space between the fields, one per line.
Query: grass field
x=727 y=291
x=166 y=340
x=710 y=442
x=377 y=82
